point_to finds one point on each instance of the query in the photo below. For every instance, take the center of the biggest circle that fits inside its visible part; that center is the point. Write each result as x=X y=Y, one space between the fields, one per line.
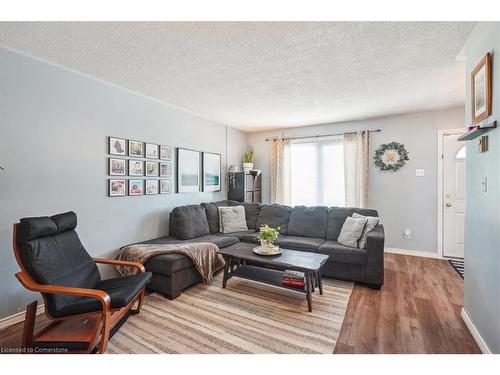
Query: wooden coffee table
x=269 y=269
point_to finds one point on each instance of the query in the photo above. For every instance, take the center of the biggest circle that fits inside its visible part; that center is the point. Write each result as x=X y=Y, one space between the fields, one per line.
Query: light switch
x=419 y=172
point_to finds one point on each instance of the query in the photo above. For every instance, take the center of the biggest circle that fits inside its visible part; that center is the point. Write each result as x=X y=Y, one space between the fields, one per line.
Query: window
x=317 y=172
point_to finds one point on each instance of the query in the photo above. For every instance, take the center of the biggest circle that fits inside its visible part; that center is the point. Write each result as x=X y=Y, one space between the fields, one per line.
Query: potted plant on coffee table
x=268 y=236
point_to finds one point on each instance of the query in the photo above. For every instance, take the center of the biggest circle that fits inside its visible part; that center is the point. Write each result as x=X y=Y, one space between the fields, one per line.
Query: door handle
x=448 y=204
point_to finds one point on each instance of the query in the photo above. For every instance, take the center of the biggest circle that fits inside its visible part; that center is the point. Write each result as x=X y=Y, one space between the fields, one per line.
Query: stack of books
x=293 y=278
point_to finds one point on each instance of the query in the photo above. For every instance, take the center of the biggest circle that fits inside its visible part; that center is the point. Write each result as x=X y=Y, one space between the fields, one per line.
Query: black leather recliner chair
x=55 y=263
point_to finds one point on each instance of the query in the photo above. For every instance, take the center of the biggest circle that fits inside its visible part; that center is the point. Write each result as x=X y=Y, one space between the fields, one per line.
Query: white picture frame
x=211 y=171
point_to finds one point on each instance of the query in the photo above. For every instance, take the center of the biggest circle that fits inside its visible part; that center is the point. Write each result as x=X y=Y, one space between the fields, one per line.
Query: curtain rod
x=320 y=135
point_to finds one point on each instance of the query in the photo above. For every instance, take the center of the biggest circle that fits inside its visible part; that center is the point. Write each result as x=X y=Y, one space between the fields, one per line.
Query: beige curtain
x=280 y=171
x=356 y=168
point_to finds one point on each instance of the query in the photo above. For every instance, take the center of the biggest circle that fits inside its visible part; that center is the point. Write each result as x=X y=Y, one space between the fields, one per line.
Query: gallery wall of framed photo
x=138 y=168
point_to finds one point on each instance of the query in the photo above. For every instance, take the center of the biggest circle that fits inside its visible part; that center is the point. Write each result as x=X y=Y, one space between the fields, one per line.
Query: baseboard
x=19 y=317
x=475 y=333
x=415 y=253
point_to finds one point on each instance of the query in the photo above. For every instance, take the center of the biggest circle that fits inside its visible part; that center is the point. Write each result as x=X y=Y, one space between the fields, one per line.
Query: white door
x=453 y=195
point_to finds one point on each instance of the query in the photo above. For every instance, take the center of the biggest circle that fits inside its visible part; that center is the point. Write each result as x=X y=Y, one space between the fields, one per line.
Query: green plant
x=268 y=234
x=248 y=158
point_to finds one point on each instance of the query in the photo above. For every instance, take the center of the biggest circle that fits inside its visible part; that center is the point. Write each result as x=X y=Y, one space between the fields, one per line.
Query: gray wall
x=402 y=199
x=482 y=219
x=53 y=132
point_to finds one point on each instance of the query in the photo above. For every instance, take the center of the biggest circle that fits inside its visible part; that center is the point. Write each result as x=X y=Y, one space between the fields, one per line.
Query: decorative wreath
x=391 y=156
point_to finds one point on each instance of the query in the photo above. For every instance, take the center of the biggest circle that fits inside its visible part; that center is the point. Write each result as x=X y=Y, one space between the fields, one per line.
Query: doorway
x=451 y=194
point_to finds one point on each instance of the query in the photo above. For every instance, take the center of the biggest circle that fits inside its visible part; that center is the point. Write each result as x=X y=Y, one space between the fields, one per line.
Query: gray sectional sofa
x=311 y=229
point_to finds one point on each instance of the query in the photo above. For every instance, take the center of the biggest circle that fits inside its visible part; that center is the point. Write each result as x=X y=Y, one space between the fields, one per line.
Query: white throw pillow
x=371 y=222
x=351 y=231
x=232 y=219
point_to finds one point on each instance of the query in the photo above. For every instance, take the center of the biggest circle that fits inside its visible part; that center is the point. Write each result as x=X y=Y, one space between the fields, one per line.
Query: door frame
x=440 y=185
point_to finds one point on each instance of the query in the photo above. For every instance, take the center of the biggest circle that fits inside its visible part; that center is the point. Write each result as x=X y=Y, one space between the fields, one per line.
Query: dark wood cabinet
x=241 y=187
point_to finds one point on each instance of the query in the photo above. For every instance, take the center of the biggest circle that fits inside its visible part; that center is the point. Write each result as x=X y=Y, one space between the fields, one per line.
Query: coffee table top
x=288 y=259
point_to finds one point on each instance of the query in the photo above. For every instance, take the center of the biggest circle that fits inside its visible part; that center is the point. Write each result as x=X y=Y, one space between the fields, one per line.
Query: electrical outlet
x=419 y=172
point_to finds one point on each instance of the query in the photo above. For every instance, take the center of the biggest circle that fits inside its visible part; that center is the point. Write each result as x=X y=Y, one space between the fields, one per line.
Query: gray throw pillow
x=351 y=231
x=371 y=222
x=232 y=219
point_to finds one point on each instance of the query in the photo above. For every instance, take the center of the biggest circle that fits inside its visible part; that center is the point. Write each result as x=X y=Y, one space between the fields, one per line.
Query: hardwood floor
x=416 y=311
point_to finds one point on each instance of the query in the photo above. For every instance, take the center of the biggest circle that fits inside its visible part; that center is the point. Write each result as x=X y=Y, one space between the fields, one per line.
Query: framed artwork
x=165 y=153
x=151 y=169
x=166 y=170
x=151 y=151
x=135 y=149
x=165 y=186
x=135 y=187
x=188 y=170
x=211 y=171
x=481 y=90
x=116 y=146
x=135 y=168
x=116 y=188
x=117 y=167
x=151 y=187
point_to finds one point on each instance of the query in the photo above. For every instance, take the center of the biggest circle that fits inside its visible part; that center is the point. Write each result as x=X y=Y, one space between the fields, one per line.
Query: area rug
x=459 y=266
x=246 y=317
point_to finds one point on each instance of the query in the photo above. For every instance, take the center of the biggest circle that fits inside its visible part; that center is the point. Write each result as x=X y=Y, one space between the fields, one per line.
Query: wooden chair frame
x=103 y=320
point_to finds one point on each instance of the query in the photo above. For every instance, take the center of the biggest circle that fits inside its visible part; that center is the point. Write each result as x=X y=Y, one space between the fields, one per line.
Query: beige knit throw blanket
x=204 y=255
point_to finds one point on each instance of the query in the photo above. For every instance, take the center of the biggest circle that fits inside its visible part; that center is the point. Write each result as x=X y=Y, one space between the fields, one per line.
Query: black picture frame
x=181 y=155
x=151 y=146
x=134 y=161
x=112 y=150
x=130 y=148
x=218 y=163
x=130 y=182
x=121 y=161
x=110 y=189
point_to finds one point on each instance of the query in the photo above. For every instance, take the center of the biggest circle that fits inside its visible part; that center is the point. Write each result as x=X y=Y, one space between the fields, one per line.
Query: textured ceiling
x=262 y=75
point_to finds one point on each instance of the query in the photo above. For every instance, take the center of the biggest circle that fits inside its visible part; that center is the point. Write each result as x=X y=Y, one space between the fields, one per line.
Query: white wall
x=53 y=129
x=482 y=211
x=402 y=199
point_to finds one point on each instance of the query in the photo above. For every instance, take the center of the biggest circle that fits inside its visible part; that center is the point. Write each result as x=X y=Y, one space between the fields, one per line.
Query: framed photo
x=116 y=146
x=165 y=186
x=135 y=168
x=117 y=167
x=166 y=153
x=151 y=169
x=135 y=149
x=188 y=170
x=116 y=188
x=211 y=171
x=135 y=187
x=151 y=187
x=151 y=151
x=481 y=90
x=166 y=170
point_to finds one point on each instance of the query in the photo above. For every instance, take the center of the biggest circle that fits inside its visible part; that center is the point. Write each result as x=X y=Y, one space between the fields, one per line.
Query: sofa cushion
x=308 y=221
x=352 y=230
x=239 y=235
x=371 y=222
x=300 y=243
x=232 y=219
x=212 y=213
x=343 y=254
x=190 y=222
x=337 y=216
x=249 y=237
x=275 y=215
x=252 y=211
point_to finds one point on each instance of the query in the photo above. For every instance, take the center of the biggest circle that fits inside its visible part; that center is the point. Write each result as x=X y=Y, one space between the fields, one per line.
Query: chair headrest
x=31 y=228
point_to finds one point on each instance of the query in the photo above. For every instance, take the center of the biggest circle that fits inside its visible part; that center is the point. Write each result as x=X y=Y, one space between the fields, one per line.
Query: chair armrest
x=30 y=284
x=123 y=263
x=375 y=251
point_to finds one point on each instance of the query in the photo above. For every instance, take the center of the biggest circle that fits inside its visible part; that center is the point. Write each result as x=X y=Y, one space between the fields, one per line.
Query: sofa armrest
x=375 y=251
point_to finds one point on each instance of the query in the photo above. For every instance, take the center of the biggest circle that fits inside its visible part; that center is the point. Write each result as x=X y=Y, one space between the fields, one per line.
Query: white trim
x=18 y=318
x=440 y=184
x=474 y=332
x=415 y=253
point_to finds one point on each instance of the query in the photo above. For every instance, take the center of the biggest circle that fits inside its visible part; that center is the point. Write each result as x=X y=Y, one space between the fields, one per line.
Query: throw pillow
x=371 y=222
x=351 y=231
x=232 y=219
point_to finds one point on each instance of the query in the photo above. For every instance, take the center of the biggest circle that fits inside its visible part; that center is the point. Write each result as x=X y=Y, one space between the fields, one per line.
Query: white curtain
x=356 y=168
x=280 y=171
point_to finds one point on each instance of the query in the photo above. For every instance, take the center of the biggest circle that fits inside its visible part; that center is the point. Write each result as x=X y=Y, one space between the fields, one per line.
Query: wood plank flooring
x=416 y=311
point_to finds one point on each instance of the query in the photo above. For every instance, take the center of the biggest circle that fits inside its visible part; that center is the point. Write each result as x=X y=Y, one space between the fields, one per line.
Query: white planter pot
x=247 y=167
x=271 y=248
